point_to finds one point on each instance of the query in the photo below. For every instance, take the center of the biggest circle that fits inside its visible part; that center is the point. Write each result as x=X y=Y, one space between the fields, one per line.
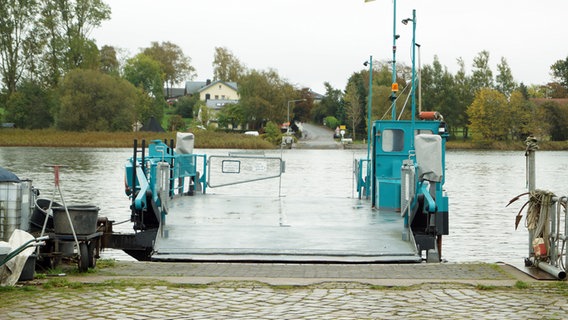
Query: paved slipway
x=169 y=290
x=316 y=137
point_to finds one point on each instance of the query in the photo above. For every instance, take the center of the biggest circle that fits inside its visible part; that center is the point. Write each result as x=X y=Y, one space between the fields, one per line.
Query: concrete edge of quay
x=251 y=274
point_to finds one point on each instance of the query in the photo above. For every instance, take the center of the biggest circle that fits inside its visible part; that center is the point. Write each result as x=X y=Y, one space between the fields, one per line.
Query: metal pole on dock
x=394 y=87
x=530 y=152
x=369 y=107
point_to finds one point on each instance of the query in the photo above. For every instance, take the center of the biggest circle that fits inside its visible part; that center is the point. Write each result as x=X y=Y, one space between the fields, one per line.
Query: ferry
x=400 y=212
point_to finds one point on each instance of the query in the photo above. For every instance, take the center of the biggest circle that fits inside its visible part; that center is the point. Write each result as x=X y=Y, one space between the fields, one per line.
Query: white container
x=10 y=208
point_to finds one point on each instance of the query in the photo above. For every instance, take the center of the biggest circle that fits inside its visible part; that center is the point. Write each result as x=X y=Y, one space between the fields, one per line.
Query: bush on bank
x=204 y=139
x=54 y=138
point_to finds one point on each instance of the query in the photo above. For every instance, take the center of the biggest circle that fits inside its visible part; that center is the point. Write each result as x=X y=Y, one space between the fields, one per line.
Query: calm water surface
x=479 y=185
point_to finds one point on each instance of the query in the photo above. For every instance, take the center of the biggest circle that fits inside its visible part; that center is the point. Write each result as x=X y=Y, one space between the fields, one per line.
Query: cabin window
x=393 y=140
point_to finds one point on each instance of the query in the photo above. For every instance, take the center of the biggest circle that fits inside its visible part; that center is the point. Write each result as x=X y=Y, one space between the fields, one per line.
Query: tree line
x=54 y=75
x=475 y=103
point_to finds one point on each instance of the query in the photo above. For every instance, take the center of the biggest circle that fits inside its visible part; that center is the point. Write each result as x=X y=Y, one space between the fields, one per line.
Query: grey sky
x=312 y=41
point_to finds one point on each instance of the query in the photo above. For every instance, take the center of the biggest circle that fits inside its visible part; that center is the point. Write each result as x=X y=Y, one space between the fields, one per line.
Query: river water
x=479 y=185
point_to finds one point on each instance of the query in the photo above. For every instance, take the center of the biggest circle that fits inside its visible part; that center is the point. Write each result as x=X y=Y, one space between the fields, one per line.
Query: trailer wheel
x=83 y=262
x=91 y=253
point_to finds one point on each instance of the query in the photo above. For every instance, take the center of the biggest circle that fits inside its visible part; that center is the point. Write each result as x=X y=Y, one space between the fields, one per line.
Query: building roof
x=192 y=87
x=232 y=85
x=317 y=96
x=174 y=92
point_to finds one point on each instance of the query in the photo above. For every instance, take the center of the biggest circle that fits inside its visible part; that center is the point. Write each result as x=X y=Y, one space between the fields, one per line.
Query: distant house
x=172 y=94
x=216 y=94
x=317 y=98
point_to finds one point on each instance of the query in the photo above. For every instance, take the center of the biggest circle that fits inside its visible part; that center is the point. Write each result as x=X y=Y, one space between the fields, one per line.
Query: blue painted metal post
x=394 y=37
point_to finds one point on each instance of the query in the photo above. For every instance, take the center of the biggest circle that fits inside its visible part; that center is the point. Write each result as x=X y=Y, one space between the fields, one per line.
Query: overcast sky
x=312 y=41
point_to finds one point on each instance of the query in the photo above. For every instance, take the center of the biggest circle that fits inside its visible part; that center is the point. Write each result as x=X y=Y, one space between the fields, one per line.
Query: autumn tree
x=93 y=101
x=174 y=64
x=227 y=67
x=525 y=117
x=488 y=115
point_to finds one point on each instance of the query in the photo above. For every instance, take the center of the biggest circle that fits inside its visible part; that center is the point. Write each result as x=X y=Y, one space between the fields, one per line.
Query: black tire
x=91 y=253
x=83 y=262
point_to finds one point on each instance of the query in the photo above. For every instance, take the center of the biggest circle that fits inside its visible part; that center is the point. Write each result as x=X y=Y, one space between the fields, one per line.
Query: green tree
x=504 y=81
x=66 y=26
x=264 y=97
x=555 y=90
x=231 y=115
x=227 y=67
x=353 y=107
x=272 y=133
x=204 y=114
x=93 y=101
x=30 y=106
x=560 y=72
x=108 y=61
x=482 y=76
x=185 y=105
x=355 y=97
x=556 y=116
x=536 y=91
x=176 y=123
x=302 y=110
x=17 y=35
x=464 y=98
x=439 y=91
x=331 y=122
x=489 y=116
x=174 y=64
x=329 y=105
x=145 y=73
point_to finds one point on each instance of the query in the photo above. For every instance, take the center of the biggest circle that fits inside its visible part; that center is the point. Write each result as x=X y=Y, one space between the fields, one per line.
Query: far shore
x=206 y=140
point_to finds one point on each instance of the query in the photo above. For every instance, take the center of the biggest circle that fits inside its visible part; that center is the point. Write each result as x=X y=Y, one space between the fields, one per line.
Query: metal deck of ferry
x=289 y=229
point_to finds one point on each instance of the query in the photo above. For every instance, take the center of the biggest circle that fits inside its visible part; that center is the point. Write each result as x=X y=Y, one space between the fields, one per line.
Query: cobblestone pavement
x=228 y=293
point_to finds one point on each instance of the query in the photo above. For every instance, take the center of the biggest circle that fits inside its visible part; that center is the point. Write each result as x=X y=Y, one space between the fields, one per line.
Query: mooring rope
x=538 y=214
